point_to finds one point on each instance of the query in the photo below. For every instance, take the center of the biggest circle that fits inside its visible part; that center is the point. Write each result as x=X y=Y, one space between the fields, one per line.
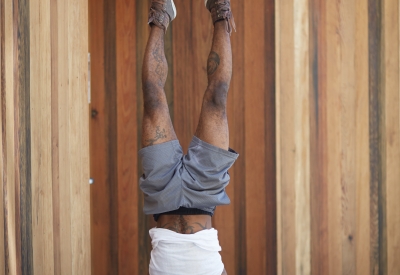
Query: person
x=182 y=191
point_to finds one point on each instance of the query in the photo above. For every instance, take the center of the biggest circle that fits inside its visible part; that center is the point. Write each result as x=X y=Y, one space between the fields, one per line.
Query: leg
x=157 y=125
x=213 y=123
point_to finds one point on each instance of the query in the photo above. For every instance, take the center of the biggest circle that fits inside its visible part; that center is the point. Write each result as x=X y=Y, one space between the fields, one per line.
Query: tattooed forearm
x=160 y=134
x=212 y=63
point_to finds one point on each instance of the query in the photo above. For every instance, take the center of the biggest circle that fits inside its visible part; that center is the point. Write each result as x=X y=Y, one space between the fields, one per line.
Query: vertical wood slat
x=301 y=134
x=142 y=34
x=391 y=87
x=333 y=108
x=100 y=206
x=64 y=158
x=127 y=134
x=348 y=139
x=286 y=150
x=362 y=140
x=270 y=140
x=8 y=129
x=2 y=136
x=254 y=127
x=22 y=135
x=40 y=104
x=79 y=136
x=375 y=108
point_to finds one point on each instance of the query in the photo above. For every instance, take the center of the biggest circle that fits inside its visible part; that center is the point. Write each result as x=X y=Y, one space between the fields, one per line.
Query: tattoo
x=180 y=225
x=212 y=63
x=159 y=135
x=158 y=55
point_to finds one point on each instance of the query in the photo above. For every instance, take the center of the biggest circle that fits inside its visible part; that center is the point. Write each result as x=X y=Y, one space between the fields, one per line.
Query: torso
x=184 y=224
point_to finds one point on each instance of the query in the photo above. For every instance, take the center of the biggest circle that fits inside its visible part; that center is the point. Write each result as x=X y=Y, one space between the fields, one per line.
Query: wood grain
x=362 y=141
x=142 y=34
x=100 y=205
x=390 y=67
x=127 y=134
x=64 y=156
x=318 y=138
x=255 y=129
x=9 y=181
x=348 y=123
x=287 y=147
x=301 y=136
x=270 y=139
x=333 y=139
x=79 y=136
x=3 y=156
x=23 y=179
x=375 y=109
x=40 y=142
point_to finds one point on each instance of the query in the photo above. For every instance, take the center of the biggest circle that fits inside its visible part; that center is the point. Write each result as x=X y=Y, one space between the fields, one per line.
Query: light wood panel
x=391 y=63
x=354 y=136
x=45 y=160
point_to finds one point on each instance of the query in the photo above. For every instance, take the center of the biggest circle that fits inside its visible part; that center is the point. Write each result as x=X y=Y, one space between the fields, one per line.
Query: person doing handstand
x=182 y=191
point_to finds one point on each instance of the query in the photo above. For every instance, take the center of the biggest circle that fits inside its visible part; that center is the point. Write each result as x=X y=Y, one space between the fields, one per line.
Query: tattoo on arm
x=212 y=63
x=160 y=134
x=159 y=57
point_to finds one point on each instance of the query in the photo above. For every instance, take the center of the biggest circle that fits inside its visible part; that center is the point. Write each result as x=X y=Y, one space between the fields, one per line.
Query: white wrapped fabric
x=182 y=254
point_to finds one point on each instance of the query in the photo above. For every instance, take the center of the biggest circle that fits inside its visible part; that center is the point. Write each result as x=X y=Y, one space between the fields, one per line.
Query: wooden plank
x=278 y=135
x=55 y=135
x=41 y=165
x=287 y=147
x=63 y=124
x=255 y=149
x=301 y=136
x=318 y=138
x=111 y=133
x=362 y=140
x=79 y=136
x=390 y=17
x=3 y=146
x=100 y=206
x=8 y=183
x=348 y=145
x=270 y=139
x=375 y=135
x=142 y=34
x=333 y=142
x=235 y=260
x=127 y=134
x=22 y=134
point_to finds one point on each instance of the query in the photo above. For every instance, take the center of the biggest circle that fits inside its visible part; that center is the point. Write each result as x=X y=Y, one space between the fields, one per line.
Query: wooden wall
x=338 y=137
x=44 y=189
x=118 y=36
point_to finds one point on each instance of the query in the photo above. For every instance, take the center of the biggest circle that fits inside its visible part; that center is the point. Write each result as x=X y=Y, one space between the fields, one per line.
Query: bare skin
x=213 y=123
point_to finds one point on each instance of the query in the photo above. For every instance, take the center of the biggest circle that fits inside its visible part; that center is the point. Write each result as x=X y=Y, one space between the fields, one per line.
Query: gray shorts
x=196 y=180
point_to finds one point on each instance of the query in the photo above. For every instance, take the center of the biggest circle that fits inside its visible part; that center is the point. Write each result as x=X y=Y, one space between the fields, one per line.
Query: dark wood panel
x=376 y=101
x=270 y=140
x=100 y=200
x=22 y=128
x=318 y=139
x=127 y=136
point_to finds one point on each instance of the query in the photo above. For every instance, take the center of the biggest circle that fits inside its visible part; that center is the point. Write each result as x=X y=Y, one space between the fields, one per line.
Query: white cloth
x=182 y=254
